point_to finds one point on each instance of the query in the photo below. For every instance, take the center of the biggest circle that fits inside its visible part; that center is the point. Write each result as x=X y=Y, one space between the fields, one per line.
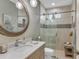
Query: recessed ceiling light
x=53 y=4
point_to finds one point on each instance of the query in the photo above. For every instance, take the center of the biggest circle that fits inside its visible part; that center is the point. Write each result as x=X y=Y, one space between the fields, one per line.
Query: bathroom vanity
x=38 y=54
x=28 y=51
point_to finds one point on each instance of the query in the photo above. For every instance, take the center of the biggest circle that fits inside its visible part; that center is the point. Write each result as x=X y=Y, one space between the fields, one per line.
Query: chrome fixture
x=18 y=42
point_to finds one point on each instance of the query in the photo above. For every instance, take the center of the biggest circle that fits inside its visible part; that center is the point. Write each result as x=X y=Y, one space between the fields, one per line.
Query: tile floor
x=61 y=55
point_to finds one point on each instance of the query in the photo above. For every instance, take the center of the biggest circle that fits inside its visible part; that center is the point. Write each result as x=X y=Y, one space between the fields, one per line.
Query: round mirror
x=14 y=18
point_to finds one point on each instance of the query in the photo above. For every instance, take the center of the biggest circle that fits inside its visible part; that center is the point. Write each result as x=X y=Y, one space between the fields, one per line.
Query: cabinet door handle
x=54 y=57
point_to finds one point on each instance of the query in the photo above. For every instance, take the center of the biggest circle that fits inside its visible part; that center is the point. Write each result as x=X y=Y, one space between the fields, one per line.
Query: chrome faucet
x=20 y=41
x=17 y=42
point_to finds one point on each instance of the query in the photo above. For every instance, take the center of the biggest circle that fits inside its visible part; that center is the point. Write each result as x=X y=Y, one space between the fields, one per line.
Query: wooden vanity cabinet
x=38 y=54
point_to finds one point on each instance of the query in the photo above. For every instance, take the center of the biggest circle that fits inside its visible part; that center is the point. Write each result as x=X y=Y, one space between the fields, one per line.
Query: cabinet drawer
x=38 y=54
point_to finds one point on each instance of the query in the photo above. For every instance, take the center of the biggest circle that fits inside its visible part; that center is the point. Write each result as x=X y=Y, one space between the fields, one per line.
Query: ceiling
x=48 y=3
x=58 y=3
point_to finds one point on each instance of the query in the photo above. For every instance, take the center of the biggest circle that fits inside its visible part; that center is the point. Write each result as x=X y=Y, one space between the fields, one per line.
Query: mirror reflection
x=13 y=15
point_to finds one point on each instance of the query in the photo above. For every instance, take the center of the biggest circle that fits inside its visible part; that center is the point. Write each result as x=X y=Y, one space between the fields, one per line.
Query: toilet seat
x=49 y=52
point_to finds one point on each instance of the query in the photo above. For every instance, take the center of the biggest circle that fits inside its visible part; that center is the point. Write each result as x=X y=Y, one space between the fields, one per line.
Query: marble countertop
x=23 y=51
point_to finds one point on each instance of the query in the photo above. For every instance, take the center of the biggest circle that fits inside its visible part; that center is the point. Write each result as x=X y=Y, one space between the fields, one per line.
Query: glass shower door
x=48 y=33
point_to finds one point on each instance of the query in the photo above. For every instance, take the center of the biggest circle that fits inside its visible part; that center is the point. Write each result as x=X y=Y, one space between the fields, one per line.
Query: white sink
x=21 y=46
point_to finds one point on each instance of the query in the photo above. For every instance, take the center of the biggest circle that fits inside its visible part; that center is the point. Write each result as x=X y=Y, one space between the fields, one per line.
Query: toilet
x=49 y=53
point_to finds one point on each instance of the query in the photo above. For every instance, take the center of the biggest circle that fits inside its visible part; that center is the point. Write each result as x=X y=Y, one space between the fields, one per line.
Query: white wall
x=33 y=29
x=42 y=11
x=77 y=26
x=34 y=13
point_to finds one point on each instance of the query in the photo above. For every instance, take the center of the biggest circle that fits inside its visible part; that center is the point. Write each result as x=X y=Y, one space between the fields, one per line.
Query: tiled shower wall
x=49 y=35
x=56 y=37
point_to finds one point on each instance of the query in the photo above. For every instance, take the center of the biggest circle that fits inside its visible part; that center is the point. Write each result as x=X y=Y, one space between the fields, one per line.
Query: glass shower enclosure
x=55 y=29
x=48 y=32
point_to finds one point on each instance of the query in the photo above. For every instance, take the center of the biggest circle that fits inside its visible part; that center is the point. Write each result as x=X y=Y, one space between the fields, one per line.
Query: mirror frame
x=14 y=34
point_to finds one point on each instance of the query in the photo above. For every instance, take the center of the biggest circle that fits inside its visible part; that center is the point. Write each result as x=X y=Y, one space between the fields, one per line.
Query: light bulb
x=53 y=4
x=33 y=3
x=19 y=5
